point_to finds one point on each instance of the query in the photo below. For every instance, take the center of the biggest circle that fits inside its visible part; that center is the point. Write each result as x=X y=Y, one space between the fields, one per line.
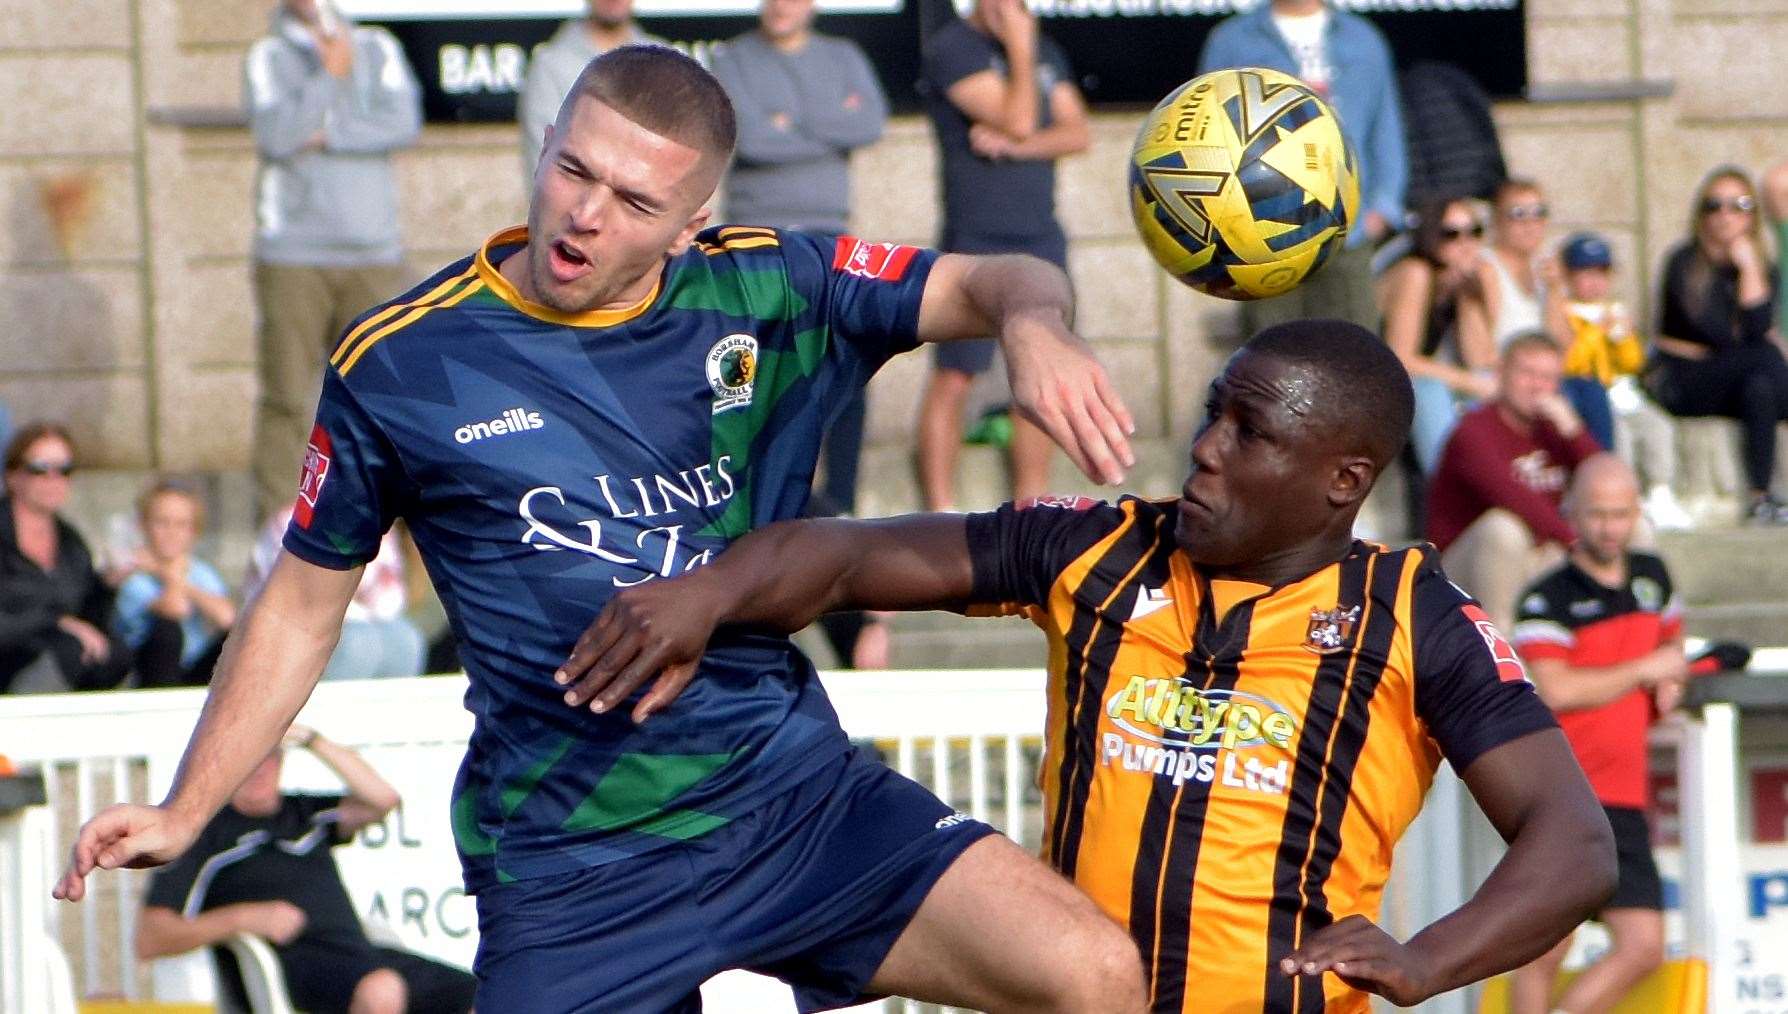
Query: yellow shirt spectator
x=1603 y=344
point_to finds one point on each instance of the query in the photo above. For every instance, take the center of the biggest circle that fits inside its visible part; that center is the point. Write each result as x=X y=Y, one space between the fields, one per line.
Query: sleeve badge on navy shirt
x=732 y=371
x=882 y=262
x=1331 y=630
x=317 y=456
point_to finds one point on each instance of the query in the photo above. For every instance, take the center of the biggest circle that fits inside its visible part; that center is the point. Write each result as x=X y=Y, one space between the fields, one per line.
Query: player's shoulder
x=744 y=269
x=394 y=326
x=1449 y=625
x=1435 y=598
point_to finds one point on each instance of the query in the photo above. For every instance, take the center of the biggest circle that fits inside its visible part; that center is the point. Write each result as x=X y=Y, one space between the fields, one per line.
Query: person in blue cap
x=1606 y=354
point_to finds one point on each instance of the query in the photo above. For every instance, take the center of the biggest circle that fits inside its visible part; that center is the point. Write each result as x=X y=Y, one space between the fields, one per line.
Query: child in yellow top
x=1605 y=348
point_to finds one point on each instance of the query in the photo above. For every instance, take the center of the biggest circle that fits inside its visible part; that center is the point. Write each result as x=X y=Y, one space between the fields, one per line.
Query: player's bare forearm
x=978 y=296
x=266 y=672
x=782 y=576
x=267 y=669
x=807 y=568
x=1056 y=380
x=1559 y=868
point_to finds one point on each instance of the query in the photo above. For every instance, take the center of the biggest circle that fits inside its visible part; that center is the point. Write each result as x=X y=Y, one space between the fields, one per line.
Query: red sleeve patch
x=317 y=456
x=1066 y=503
x=882 y=262
x=1508 y=664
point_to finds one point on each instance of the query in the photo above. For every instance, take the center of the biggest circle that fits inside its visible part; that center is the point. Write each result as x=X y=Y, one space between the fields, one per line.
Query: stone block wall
x=125 y=307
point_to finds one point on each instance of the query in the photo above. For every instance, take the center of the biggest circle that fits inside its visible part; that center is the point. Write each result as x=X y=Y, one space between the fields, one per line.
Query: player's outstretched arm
x=782 y=576
x=1559 y=868
x=269 y=665
x=1056 y=380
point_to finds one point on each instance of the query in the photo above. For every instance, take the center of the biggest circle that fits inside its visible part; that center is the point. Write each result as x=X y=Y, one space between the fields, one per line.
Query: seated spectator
x=1524 y=291
x=1604 y=349
x=174 y=609
x=377 y=639
x=1775 y=199
x=1714 y=353
x=263 y=867
x=54 y=607
x=1434 y=319
x=1602 y=638
x=1493 y=505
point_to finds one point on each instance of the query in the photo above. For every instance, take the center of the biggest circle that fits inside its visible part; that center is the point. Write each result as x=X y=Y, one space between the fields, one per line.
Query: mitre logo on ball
x=1241 y=184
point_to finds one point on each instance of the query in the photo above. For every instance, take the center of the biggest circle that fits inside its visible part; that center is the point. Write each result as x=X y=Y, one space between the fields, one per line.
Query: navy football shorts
x=974 y=355
x=813 y=888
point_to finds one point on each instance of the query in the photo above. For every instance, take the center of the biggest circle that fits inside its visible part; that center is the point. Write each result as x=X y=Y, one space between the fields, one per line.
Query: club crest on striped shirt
x=1331 y=630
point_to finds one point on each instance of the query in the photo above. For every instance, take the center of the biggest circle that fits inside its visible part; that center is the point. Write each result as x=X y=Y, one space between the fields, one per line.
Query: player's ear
x=697 y=222
x=1351 y=480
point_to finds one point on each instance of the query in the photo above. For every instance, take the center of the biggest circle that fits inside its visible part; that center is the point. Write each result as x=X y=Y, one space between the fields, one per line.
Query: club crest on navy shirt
x=732 y=371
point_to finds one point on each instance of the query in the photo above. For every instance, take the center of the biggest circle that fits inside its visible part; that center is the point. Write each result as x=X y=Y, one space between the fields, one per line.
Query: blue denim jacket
x=1363 y=93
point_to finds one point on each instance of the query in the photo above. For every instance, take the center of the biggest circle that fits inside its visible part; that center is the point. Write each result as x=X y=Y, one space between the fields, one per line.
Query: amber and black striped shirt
x=1229 y=766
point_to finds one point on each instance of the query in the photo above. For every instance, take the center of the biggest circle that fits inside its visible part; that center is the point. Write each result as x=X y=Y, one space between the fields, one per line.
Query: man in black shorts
x=263 y=866
x=1005 y=107
x=1602 y=636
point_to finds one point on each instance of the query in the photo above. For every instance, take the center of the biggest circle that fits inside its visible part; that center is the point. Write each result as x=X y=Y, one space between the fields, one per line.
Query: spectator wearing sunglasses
x=1715 y=356
x=53 y=604
x=1775 y=200
x=1524 y=292
x=1436 y=321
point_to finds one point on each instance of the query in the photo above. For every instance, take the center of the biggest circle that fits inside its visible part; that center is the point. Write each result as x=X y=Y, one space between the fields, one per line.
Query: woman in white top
x=1524 y=292
x=1523 y=288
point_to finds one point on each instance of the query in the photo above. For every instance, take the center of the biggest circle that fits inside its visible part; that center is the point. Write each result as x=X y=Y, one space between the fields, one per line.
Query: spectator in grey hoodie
x=558 y=61
x=804 y=101
x=329 y=102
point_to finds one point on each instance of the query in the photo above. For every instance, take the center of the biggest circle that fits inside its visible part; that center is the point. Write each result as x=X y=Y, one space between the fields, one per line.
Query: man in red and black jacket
x=1493 y=505
x=1602 y=639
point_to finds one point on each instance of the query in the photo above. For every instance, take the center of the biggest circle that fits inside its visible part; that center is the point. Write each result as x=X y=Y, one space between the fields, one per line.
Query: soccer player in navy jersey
x=605 y=398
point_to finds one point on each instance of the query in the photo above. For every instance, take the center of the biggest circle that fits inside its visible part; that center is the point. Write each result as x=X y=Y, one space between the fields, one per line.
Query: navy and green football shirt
x=545 y=460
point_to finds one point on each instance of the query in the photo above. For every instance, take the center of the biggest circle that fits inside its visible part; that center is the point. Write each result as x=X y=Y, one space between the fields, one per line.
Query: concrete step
x=1734 y=565
x=947 y=641
x=1758 y=624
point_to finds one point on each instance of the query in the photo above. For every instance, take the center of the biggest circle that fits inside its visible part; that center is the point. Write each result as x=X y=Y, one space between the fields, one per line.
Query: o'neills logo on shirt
x=515 y=420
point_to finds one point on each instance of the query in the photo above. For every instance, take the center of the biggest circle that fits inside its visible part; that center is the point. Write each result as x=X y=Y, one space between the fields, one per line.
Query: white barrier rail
x=974 y=737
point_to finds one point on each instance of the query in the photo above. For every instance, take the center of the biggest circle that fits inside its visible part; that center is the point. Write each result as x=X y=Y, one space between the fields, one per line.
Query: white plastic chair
x=262 y=977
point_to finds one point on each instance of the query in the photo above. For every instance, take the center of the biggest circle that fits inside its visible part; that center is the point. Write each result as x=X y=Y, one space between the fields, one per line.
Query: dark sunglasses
x=1524 y=212
x=1744 y=204
x=1449 y=233
x=62 y=468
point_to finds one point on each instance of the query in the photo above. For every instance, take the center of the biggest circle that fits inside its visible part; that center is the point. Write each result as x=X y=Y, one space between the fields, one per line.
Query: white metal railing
x=974 y=737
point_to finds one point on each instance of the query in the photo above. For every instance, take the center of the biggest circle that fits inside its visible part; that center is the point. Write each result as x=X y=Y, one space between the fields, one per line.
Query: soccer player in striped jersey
x=1246 y=705
x=602 y=400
